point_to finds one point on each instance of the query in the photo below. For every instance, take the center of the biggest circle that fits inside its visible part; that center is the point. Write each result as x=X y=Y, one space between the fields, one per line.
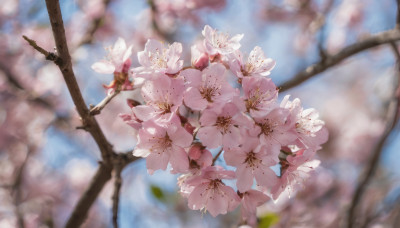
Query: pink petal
x=217 y=203
x=141 y=152
x=103 y=67
x=181 y=137
x=232 y=138
x=157 y=161
x=244 y=178
x=179 y=160
x=210 y=136
x=143 y=112
x=265 y=176
x=194 y=100
x=192 y=77
x=234 y=157
x=198 y=196
x=127 y=54
x=208 y=118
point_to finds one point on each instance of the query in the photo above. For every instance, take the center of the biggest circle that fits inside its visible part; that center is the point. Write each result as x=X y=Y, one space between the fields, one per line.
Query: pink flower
x=274 y=130
x=257 y=64
x=200 y=58
x=131 y=120
x=309 y=127
x=250 y=201
x=252 y=161
x=210 y=194
x=260 y=95
x=206 y=87
x=156 y=57
x=220 y=43
x=199 y=158
x=163 y=96
x=222 y=128
x=117 y=61
x=294 y=170
x=160 y=145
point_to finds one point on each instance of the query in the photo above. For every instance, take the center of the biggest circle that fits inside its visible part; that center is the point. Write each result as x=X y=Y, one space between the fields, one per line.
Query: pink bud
x=195 y=152
x=201 y=62
x=189 y=128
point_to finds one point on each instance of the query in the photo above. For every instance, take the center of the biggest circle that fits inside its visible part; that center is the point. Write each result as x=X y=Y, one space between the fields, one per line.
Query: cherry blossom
x=206 y=87
x=160 y=145
x=294 y=170
x=252 y=161
x=157 y=57
x=210 y=193
x=310 y=128
x=260 y=95
x=256 y=65
x=250 y=201
x=117 y=60
x=163 y=96
x=117 y=63
x=199 y=158
x=219 y=43
x=221 y=128
x=200 y=58
x=274 y=130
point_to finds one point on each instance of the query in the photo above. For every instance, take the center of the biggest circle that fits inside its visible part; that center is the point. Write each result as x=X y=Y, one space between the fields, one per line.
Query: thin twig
x=154 y=23
x=20 y=88
x=65 y=65
x=79 y=213
x=95 y=25
x=391 y=120
x=216 y=156
x=63 y=61
x=332 y=60
x=97 y=109
x=115 y=197
x=16 y=188
x=398 y=15
x=49 y=55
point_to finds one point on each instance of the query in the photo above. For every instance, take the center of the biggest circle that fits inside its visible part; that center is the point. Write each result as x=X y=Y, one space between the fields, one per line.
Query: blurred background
x=46 y=164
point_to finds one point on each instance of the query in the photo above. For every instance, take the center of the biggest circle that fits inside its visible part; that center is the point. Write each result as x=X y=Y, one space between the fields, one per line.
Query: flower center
x=162 y=144
x=165 y=107
x=158 y=59
x=221 y=40
x=208 y=93
x=267 y=128
x=223 y=123
x=251 y=160
x=214 y=184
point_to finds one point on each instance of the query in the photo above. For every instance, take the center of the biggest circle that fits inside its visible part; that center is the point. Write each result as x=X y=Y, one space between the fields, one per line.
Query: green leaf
x=157 y=192
x=268 y=220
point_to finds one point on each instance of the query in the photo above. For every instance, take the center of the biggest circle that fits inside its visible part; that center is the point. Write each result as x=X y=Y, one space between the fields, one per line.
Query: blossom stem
x=117 y=190
x=97 y=109
x=331 y=60
x=391 y=121
x=216 y=156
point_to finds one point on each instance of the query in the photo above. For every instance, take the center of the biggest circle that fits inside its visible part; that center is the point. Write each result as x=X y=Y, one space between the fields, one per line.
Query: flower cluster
x=190 y=111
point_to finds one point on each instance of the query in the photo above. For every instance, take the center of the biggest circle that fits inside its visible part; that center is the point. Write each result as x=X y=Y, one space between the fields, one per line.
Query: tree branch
x=332 y=60
x=102 y=176
x=78 y=215
x=95 y=25
x=16 y=188
x=216 y=156
x=97 y=109
x=63 y=61
x=115 y=197
x=391 y=120
x=65 y=65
